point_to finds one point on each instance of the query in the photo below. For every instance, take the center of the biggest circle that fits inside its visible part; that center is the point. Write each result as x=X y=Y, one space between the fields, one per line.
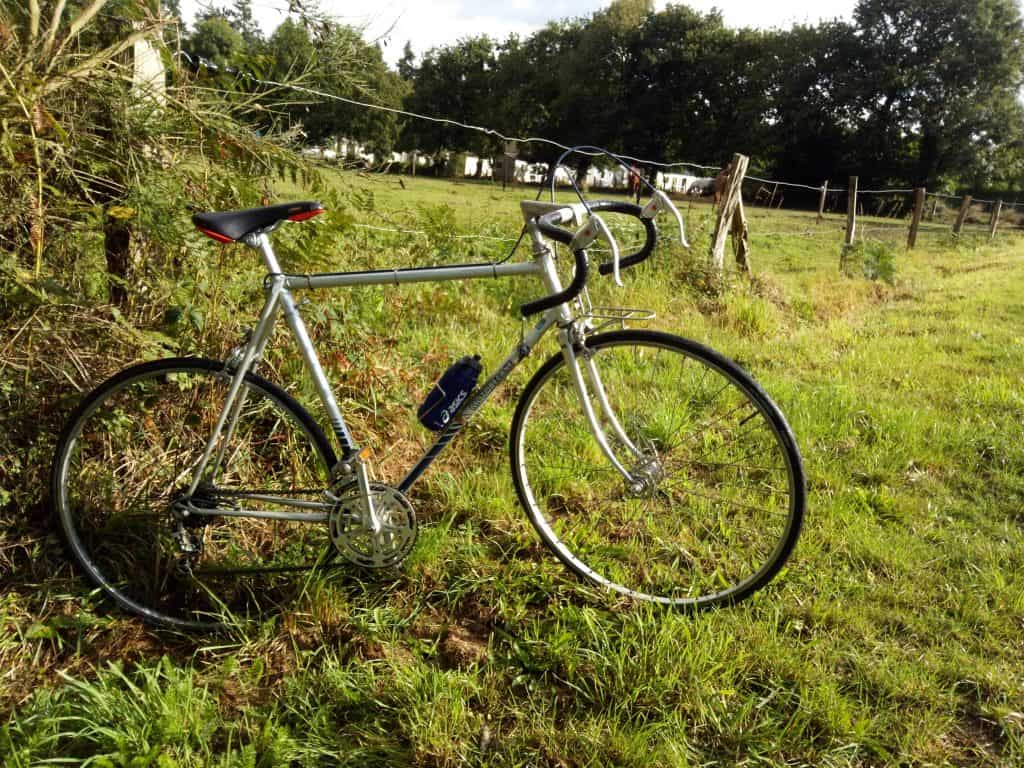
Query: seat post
x=261 y=242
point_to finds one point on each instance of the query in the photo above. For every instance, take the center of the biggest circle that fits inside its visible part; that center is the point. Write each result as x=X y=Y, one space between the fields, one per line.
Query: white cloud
x=428 y=25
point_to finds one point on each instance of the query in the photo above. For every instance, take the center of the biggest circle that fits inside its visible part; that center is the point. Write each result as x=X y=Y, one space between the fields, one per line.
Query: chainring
x=357 y=543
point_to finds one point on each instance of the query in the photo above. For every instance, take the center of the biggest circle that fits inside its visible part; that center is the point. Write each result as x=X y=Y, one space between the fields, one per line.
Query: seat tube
x=309 y=355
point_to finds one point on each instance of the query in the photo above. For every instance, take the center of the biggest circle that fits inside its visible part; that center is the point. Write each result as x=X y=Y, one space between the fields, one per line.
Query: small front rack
x=617 y=315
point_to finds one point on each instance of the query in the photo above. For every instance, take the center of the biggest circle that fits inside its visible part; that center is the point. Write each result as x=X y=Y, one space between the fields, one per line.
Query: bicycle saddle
x=231 y=226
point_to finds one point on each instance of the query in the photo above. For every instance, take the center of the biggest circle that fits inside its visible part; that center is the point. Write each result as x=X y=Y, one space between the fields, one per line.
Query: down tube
x=481 y=396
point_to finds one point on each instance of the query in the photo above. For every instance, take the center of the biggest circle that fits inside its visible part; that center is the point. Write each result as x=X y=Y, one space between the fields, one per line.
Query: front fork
x=584 y=371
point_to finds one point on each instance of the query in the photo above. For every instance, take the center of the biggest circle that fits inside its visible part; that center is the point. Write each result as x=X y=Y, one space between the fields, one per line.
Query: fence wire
x=890 y=204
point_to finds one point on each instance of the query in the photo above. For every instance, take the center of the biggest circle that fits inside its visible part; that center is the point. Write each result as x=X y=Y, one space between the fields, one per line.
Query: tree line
x=914 y=92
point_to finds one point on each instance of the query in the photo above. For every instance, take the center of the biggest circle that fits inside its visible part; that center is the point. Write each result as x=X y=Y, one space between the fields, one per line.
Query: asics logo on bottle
x=448 y=412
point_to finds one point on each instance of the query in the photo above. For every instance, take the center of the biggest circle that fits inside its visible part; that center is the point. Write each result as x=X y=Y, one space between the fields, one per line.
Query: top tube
x=408 y=275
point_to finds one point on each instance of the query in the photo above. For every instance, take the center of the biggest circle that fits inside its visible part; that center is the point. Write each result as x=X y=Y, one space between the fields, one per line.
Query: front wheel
x=715 y=499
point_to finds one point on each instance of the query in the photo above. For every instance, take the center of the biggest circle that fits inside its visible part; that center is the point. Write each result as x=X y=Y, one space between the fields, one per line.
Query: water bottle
x=450 y=393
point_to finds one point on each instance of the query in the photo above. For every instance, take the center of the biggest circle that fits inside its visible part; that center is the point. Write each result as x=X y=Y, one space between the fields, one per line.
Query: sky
x=440 y=22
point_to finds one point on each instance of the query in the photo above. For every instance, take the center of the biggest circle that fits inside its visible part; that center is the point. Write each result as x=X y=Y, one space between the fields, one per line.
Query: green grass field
x=893 y=637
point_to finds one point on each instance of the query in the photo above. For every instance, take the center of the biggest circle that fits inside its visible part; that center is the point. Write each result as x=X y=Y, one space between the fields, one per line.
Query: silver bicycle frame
x=280 y=299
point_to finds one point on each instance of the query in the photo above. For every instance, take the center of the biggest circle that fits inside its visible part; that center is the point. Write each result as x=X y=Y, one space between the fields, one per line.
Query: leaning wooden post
x=961 y=217
x=994 y=225
x=935 y=205
x=733 y=191
x=915 y=220
x=851 y=220
x=741 y=238
x=821 y=202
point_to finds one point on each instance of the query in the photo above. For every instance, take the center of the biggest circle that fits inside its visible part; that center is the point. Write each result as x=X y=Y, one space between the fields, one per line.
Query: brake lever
x=591 y=231
x=658 y=201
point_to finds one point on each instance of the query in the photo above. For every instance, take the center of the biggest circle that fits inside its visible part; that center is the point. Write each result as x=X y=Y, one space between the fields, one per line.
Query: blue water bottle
x=450 y=393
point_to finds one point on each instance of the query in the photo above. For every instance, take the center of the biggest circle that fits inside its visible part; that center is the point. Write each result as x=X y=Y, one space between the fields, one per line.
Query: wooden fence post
x=965 y=206
x=741 y=237
x=994 y=225
x=915 y=220
x=935 y=205
x=821 y=202
x=851 y=220
x=733 y=191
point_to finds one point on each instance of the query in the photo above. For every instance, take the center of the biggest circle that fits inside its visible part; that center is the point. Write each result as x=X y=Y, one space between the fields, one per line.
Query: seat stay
x=256 y=344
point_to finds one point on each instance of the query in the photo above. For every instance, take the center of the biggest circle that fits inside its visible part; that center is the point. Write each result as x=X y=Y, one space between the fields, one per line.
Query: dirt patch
x=461 y=635
x=461 y=648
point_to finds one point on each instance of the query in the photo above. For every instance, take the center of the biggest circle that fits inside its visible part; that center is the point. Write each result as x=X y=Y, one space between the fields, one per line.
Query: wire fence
x=887 y=214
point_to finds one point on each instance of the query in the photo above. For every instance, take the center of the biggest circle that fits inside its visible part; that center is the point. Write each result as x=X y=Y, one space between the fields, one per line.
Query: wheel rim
x=127 y=458
x=723 y=518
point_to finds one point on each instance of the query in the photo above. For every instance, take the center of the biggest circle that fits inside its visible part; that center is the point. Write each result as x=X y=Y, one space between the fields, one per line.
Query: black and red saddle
x=232 y=226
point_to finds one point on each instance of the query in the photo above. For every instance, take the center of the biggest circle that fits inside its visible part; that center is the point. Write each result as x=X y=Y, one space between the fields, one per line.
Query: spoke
x=567 y=468
x=704 y=427
x=769 y=445
x=699 y=463
x=242 y=493
x=739 y=462
x=717 y=474
x=718 y=499
x=684 y=407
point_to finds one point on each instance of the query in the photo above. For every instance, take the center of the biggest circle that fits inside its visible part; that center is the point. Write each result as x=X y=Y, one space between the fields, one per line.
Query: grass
x=892 y=637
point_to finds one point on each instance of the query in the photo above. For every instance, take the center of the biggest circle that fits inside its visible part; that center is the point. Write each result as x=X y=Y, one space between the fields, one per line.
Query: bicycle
x=191 y=489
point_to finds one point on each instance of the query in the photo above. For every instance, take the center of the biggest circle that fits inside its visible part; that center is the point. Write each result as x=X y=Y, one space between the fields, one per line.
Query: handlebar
x=650 y=229
x=548 y=217
x=548 y=227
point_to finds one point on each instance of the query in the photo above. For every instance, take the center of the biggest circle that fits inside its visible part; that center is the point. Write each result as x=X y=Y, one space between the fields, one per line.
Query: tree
x=338 y=62
x=455 y=82
x=240 y=17
x=912 y=91
x=695 y=89
x=407 y=64
x=91 y=153
x=171 y=8
x=940 y=86
x=813 y=109
x=528 y=86
x=216 y=40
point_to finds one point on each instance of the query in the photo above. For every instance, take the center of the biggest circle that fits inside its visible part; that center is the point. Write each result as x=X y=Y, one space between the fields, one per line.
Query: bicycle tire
x=713 y=535
x=126 y=451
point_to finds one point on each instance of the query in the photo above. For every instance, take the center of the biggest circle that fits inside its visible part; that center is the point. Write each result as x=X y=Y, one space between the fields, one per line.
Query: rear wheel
x=123 y=466
x=717 y=494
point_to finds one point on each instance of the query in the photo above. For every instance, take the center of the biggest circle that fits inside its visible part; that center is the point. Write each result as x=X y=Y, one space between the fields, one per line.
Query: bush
x=874 y=259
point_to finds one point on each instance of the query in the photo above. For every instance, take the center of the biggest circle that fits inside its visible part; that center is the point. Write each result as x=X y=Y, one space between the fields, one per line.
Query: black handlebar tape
x=579 y=281
x=635 y=258
x=650 y=228
x=557 y=234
